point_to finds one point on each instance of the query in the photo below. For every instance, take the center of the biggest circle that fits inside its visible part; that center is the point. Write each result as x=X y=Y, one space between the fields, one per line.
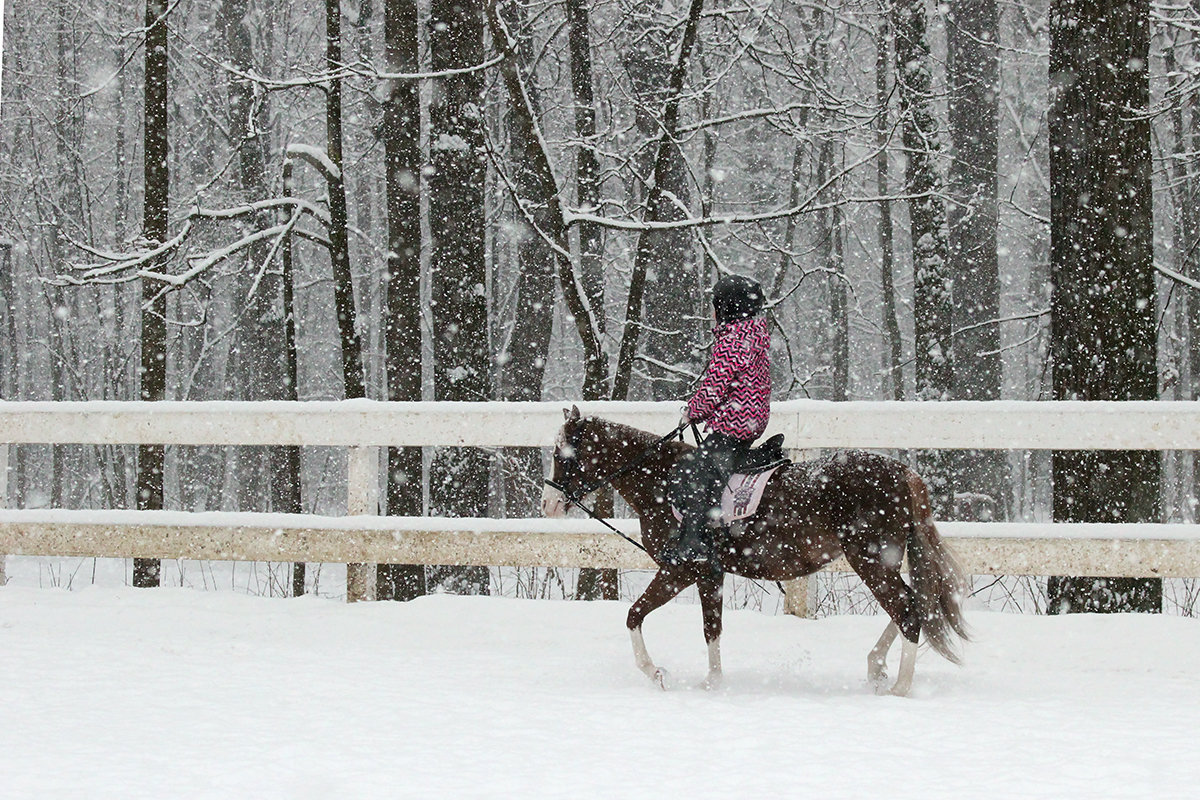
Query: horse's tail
x=936 y=576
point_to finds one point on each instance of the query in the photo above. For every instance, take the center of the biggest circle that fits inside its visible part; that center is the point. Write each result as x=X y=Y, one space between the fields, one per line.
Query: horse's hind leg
x=877 y=663
x=663 y=586
x=908 y=665
x=878 y=564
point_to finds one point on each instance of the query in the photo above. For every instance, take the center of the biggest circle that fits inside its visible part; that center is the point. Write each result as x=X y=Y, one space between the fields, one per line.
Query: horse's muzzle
x=554 y=503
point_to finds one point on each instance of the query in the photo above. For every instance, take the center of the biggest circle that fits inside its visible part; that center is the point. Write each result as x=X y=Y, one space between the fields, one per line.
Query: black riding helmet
x=736 y=297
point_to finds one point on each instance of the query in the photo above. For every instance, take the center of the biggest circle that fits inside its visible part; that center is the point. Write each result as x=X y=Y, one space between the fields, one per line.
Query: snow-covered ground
x=115 y=692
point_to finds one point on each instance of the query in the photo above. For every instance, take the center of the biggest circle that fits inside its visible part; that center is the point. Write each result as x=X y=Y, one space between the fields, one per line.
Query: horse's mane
x=635 y=438
x=618 y=430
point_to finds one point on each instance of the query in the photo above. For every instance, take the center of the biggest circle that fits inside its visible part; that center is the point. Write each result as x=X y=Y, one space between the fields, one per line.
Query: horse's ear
x=567 y=414
x=573 y=415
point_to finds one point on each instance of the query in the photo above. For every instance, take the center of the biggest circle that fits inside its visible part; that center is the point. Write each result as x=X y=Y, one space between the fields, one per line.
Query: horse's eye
x=566 y=451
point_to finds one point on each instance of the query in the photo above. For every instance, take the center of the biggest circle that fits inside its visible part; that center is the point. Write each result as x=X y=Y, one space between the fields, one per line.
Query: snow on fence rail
x=365 y=426
x=808 y=424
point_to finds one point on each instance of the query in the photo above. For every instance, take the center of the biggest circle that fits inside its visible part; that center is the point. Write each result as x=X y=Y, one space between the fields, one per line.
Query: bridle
x=576 y=498
x=573 y=498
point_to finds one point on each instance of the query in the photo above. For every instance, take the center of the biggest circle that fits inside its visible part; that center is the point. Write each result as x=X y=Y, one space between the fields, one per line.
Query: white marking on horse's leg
x=713 y=679
x=641 y=657
x=877 y=658
x=908 y=664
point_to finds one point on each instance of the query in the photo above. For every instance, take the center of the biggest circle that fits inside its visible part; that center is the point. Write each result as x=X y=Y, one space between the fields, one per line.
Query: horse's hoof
x=661 y=678
x=880 y=685
x=713 y=681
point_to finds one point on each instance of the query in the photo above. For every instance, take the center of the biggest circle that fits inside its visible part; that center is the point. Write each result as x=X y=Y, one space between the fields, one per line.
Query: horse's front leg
x=663 y=586
x=711 y=604
x=877 y=658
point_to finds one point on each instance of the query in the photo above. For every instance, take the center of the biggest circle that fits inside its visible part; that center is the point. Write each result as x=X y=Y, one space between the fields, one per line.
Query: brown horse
x=867 y=507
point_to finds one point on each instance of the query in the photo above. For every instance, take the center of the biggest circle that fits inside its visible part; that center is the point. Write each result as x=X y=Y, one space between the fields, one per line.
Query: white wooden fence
x=365 y=426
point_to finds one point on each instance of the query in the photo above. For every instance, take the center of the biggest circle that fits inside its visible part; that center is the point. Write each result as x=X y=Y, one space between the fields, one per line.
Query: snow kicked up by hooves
x=177 y=693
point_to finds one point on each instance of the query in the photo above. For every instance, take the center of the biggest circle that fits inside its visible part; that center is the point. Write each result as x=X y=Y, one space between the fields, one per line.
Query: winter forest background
x=498 y=199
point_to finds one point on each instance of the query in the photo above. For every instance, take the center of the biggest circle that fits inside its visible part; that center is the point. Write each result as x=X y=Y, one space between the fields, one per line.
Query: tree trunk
x=587 y=165
x=893 y=347
x=1103 y=336
x=286 y=460
x=592 y=583
x=258 y=348
x=549 y=218
x=156 y=176
x=524 y=359
x=8 y=334
x=927 y=215
x=663 y=279
x=402 y=334
x=974 y=71
x=830 y=245
x=1185 y=128
x=462 y=370
x=664 y=250
x=353 y=378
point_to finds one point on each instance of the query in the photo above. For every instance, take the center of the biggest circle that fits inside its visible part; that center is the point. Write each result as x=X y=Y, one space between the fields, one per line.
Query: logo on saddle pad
x=741 y=496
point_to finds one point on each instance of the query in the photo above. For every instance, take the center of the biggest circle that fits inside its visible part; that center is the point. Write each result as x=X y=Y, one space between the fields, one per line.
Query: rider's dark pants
x=697 y=482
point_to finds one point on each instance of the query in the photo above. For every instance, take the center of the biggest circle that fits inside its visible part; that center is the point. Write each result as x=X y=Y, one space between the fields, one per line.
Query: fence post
x=800 y=595
x=3 y=501
x=362 y=475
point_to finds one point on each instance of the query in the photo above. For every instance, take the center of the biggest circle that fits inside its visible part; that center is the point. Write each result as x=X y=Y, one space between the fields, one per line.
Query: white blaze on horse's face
x=554 y=502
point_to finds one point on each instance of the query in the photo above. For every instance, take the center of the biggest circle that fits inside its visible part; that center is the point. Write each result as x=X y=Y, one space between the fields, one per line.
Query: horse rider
x=733 y=401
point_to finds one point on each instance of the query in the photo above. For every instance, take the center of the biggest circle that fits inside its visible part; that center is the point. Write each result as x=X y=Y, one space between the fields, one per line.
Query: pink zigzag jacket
x=734 y=397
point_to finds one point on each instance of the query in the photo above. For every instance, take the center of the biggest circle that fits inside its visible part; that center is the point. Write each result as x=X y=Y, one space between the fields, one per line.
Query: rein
x=591 y=513
x=576 y=498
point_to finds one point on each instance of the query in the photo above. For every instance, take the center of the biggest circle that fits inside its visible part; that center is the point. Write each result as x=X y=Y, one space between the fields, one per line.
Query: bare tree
x=353 y=376
x=927 y=216
x=1103 y=303
x=156 y=176
x=892 y=358
x=459 y=479
x=587 y=164
x=258 y=347
x=402 y=329
x=665 y=200
x=664 y=280
x=974 y=87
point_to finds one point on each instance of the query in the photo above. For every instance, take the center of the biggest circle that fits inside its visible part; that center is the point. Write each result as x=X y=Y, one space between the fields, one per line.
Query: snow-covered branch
x=123 y=267
x=317 y=158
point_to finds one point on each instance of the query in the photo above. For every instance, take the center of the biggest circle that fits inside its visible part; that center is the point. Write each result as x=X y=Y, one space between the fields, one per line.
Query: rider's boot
x=694 y=542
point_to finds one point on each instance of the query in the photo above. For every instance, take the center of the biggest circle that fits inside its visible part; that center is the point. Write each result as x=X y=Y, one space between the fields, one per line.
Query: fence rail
x=983 y=547
x=365 y=426
x=807 y=424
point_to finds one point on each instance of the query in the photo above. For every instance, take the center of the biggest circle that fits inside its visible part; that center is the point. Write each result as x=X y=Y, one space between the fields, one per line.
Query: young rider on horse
x=734 y=402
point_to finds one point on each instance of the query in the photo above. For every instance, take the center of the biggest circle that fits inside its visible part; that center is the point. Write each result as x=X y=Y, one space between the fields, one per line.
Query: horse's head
x=576 y=455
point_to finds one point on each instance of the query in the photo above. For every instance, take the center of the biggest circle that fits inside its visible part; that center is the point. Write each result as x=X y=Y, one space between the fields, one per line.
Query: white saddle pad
x=741 y=496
